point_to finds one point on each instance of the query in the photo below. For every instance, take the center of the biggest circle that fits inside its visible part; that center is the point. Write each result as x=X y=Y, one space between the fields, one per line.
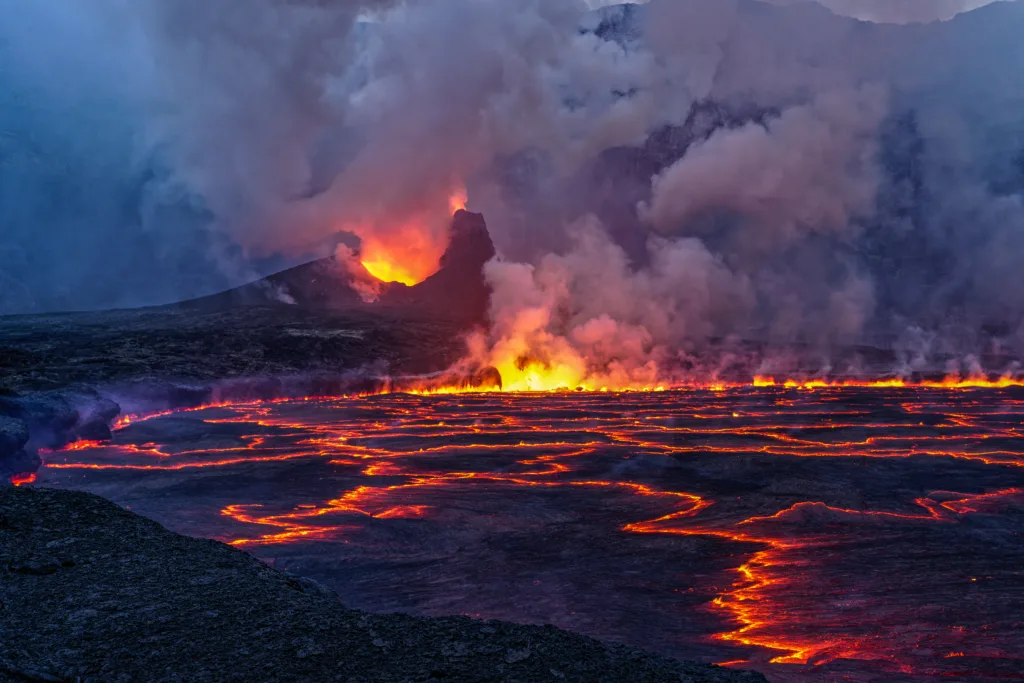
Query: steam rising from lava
x=657 y=179
x=590 y=317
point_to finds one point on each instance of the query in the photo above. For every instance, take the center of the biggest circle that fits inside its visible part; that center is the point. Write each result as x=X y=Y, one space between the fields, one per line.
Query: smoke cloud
x=811 y=169
x=658 y=179
x=889 y=11
x=898 y=11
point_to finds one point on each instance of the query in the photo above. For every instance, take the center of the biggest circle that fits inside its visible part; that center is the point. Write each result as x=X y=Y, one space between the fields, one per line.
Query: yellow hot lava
x=562 y=371
x=525 y=375
x=559 y=367
x=408 y=254
x=409 y=258
x=532 y=376
x=949 y=382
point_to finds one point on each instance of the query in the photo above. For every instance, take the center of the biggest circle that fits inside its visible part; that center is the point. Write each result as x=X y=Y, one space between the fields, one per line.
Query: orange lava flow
x=949 y=382
x=408 y=258
x=22 y=479
x=408 y=453
x=432 y=387
x=770 y=571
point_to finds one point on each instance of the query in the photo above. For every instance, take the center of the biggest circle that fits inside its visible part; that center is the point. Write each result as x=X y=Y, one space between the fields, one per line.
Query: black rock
x=18 y=462
x=38 y=565
x=457 y=289
x=94 y=430
x=50 y=417
x=14 y=459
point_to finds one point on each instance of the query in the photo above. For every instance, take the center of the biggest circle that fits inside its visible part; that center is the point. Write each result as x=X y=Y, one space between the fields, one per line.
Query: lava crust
x=814 y=534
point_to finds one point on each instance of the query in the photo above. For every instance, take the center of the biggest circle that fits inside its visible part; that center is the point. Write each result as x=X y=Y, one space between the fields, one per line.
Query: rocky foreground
x=92 y=592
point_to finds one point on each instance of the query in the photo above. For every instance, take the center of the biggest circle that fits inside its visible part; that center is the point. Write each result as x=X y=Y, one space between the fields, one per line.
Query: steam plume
x=658 y=178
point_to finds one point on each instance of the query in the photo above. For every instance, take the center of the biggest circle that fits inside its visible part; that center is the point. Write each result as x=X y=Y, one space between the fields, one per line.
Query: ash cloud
x=657 y=178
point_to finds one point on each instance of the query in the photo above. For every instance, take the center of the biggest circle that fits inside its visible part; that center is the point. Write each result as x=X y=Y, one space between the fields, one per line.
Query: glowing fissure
x=769 y=569
x=600 y=354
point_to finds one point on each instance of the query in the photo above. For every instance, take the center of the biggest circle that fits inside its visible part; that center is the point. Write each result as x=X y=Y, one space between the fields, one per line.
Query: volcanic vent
x=456 y=291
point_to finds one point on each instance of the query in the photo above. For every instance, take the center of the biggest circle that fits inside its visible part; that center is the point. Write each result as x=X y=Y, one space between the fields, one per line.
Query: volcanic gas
x=814 y=532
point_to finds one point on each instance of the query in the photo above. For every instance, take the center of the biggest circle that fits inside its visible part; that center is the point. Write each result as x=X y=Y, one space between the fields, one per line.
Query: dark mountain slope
x=455 y=291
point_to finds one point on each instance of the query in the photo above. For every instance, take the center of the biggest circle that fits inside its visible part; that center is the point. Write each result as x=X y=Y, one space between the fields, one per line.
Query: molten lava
x=526 y=374
x=408 y=262
x=22 y=479
x=408 y=253
x=808 y=525
x=948 y=382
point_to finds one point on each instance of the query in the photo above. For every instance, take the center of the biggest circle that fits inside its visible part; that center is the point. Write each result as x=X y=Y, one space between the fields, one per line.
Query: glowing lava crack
x=849 y=531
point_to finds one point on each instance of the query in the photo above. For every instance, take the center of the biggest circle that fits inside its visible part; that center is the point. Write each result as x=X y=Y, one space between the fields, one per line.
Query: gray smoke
x=898 y=11
x=888 y=11
x=657 y=178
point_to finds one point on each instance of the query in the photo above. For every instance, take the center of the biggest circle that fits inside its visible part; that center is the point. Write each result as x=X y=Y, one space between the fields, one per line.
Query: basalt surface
x=92 y=592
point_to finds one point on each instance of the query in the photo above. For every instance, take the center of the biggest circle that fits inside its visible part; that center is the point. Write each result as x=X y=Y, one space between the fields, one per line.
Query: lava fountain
x=855 y=533
x=408 y=252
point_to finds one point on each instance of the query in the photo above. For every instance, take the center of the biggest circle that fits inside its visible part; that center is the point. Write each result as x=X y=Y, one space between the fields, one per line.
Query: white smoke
x=785 y=204
x=898 y=11
x=811 y=169
x=590 y=318
x=887 y=11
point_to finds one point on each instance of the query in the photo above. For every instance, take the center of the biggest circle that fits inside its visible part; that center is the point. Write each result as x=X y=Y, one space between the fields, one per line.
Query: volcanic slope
x=92 y=592
x=456 y=290
x=252 y=332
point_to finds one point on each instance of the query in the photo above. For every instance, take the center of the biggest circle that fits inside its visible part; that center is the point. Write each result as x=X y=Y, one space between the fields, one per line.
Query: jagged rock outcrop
x=457 y=289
